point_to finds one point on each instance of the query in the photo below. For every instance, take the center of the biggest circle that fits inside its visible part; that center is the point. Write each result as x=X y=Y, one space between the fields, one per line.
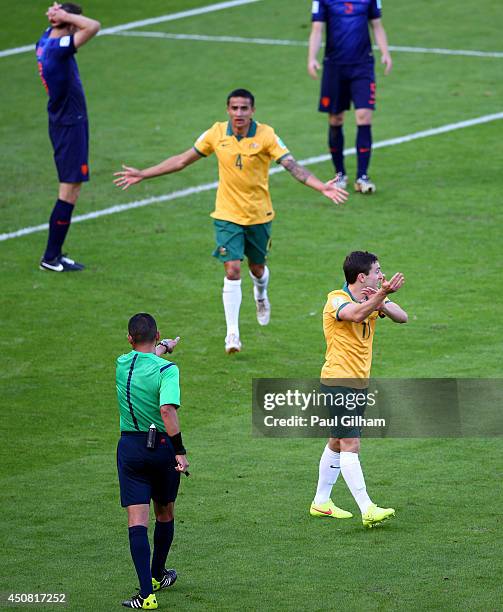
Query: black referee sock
x=140 y=552
x=59 y=223
x=163 y=536
x=336 y=146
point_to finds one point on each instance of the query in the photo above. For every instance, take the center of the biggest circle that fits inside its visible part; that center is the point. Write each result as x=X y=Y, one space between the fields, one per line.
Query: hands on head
x=55 y=14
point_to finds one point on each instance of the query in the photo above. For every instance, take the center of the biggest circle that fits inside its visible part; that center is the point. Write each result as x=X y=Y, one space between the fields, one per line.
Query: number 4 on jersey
x=239 y=162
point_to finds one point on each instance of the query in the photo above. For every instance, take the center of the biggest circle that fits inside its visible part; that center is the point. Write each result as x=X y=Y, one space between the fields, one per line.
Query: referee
x=150 y=453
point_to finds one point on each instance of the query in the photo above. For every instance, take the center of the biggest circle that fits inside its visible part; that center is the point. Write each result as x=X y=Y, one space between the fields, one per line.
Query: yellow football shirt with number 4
x=349 y=344
x=243 y=168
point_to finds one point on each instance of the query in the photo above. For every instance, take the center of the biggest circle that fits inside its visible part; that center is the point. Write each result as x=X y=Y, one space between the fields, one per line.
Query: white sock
x=327 y=476
x=260 y=284
x=231 y=297
x=353 y=475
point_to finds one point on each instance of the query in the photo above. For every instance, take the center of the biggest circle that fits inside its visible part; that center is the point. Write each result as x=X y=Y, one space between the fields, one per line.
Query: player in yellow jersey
x=243 y=210
x=349 y=320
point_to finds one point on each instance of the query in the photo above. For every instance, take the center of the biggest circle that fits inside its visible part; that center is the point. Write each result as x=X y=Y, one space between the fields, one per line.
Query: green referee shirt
x=145 y=382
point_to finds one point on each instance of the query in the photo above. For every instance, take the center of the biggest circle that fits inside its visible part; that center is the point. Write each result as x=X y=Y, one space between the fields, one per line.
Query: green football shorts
x=347 y=406
x=235 y=241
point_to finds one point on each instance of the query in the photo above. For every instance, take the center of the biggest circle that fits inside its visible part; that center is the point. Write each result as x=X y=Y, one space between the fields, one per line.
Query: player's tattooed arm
x=330 y=189
x=295 y=169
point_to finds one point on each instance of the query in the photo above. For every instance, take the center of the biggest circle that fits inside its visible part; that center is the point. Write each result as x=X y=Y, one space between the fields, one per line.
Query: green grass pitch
x=244 y=539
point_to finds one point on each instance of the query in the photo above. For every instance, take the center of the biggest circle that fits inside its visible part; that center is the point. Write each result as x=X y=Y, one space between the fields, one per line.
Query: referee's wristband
x=177 y=443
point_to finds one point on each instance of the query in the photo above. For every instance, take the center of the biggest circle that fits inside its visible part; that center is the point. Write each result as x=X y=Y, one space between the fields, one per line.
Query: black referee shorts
x=146 y=473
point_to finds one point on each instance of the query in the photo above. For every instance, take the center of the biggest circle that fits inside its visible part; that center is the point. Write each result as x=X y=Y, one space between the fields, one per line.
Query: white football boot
x=341 y=180
x=263 y=311
x=232 y=344
x=364 y=185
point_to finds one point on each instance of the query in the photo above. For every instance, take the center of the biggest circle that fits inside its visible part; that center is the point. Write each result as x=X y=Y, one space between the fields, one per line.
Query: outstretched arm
x=130 y=176
x=166 y=346
x=305 y=176
x=382 y=42
x=86 y=27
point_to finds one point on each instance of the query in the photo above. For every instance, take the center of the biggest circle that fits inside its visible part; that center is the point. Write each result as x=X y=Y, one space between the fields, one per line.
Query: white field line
x=225 y=39
x=219 y=6
x=300 y=43
x=183 y=193
x=467 y=52
x=17 y=50
x=210 y=8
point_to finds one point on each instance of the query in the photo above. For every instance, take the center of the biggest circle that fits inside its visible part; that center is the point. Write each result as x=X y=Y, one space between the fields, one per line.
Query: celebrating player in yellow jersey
x=243 y=209
x=349 y=320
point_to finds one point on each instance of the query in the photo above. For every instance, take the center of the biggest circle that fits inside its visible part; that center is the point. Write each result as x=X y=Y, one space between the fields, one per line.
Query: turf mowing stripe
x=183 y=193
x=219 y=6
x=302 y=43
